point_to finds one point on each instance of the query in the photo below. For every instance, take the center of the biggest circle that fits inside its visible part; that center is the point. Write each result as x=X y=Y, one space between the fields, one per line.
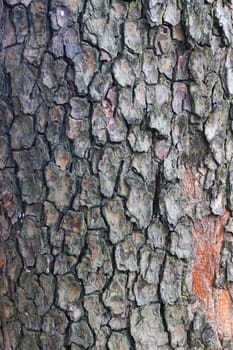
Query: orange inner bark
x=208 y=235
x=208 y=238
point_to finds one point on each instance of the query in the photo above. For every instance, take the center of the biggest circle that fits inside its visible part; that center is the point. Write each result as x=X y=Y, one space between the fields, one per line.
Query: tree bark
x=116 y=174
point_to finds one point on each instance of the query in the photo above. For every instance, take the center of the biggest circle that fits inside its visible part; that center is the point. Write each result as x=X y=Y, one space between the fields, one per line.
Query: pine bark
x=116 y=174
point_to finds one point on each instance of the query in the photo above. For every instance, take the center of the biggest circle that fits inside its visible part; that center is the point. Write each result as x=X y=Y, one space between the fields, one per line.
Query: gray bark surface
x=116 y=174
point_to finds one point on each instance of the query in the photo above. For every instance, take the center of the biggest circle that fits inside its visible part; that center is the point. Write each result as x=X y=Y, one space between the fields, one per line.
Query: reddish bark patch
x=63 y=161
x=208 y=235
x=2 y=264
x=224 y=312
x=192 y=186
x=208 y=239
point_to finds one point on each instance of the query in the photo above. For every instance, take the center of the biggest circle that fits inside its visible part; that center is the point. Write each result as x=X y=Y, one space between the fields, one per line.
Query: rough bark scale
x=116 y=174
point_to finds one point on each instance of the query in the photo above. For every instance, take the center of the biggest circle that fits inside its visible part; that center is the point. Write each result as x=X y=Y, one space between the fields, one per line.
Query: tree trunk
x=116 y=174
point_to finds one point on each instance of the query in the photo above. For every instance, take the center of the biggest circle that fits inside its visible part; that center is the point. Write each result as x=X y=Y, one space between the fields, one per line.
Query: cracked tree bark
x=116 y=174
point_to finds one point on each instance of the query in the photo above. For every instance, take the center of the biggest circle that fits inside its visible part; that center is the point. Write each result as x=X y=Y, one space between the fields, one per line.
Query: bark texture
x=116 y=174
